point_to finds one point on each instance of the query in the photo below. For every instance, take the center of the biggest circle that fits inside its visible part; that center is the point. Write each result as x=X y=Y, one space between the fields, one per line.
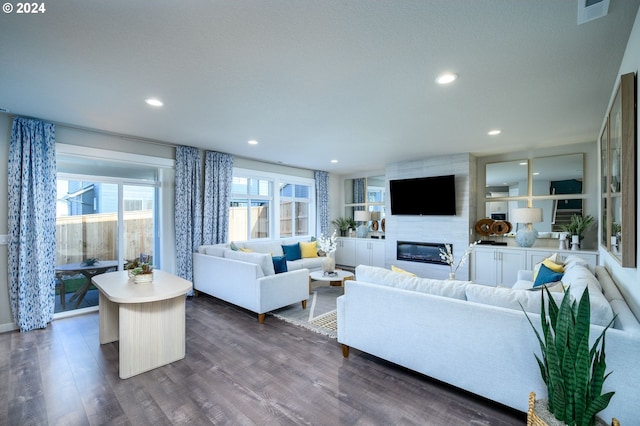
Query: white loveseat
x=429 y=326
x=248 y=279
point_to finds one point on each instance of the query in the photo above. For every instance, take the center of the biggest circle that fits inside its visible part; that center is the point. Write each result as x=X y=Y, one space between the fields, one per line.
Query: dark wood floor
x=236 y=371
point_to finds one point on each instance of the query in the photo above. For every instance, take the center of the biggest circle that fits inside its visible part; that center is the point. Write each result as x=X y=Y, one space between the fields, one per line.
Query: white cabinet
x=360 y=251
x=538 y=255
x=496 y=266
x=370 y=252
x=346 y=251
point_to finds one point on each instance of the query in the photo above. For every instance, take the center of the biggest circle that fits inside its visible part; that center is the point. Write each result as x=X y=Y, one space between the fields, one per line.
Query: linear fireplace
x=412 y=251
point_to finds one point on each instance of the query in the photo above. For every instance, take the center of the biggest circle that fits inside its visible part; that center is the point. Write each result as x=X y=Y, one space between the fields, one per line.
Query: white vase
x=452 y=275
x=575 y=242
x=328 y=264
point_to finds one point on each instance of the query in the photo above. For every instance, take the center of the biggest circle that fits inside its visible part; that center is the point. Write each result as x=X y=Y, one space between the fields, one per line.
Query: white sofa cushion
x=261 y=259
x=508 y=298
x=273 y=248
x=217 y=250
x=447 y=288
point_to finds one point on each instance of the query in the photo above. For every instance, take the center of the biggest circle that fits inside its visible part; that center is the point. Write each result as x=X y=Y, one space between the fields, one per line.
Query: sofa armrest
x=283 y=289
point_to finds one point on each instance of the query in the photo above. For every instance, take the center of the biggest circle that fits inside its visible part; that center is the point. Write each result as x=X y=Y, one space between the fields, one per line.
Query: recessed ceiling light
x=494 y=132
x=334 y=161
x=154 y=102
x=524 y=163
x=253 y=142
x=536 y=173
x=446 y=78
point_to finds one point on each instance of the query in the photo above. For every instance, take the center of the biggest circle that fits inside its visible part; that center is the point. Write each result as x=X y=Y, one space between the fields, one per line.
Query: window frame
x=274 y=215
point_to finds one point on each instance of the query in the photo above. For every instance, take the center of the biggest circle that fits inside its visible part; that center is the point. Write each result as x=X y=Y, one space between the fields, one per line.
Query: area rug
x=320 y=315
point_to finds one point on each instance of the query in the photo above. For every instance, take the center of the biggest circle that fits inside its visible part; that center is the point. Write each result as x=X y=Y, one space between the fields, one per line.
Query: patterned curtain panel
x=32 y=222
x=188 y=208
x=218 y=175
x=322 y=201
x=359 y=192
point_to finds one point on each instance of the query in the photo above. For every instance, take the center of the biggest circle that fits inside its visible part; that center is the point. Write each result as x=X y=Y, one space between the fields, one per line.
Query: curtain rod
x=98 y=131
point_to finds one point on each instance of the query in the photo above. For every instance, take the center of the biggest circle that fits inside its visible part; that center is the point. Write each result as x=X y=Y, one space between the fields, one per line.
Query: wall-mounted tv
x=429 y=196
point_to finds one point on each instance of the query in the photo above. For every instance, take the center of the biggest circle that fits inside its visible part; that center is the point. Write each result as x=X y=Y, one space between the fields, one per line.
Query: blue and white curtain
x=188 y=208
x=322 y=201
x=32 y=222
x=218 y=176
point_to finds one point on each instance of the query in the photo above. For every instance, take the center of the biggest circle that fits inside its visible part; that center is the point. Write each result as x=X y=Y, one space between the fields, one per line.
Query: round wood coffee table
x=336 y=279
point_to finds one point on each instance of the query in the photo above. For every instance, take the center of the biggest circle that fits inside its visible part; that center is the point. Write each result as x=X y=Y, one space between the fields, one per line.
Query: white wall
x=434 y=229
x=629 y=278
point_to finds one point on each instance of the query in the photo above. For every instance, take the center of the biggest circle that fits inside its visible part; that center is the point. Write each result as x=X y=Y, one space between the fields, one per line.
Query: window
x=257 y=211
x=107 y=213
x=251 y=201
x=294 y=209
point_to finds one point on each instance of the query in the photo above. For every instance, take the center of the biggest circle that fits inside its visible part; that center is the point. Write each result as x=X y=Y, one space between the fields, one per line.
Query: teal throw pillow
x=279 y=264
x=233 y=246
x=292 y=251
x=546 y=275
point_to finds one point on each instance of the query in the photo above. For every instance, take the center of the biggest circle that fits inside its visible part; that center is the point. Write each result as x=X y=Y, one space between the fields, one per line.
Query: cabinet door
x=483 y=266
x=363 y=252
x=508 y=264
x=346 y=252
x=377 y=253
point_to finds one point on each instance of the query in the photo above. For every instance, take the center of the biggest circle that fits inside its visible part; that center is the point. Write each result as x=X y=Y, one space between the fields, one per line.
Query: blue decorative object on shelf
x=526 y=237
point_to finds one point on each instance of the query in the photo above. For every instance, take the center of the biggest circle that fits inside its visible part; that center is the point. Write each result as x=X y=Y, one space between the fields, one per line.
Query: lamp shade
x=361 y=216
x=526 y=215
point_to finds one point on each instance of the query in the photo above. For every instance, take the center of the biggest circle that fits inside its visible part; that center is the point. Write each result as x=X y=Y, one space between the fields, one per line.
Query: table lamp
x=526 y=237
x=363 y=217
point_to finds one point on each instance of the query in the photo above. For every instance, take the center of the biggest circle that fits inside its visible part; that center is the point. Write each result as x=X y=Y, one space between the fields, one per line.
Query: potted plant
x=140 y=272
x=578 y=225
x=343 y=224
x=573 y=373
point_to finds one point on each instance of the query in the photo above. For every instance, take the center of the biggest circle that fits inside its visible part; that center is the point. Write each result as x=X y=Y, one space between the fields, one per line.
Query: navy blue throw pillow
x=279 y=264
x=546 y=275
x=292 y=251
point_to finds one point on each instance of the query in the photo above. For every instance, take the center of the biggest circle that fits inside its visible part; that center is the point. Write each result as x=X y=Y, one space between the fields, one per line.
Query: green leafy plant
x=578 y=225
x=573 y=373
x=615 y=228
x=141 y=269
x=344 y=223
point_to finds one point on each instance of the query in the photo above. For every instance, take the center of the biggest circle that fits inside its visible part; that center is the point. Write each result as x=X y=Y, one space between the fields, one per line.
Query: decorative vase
x=452 y=275
x=614 y=244
x=575 y=242
x=328 y=264
x=143 y=278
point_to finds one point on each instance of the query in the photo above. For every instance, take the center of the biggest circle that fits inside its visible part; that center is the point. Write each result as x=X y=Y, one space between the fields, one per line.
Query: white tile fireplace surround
x=454 y=230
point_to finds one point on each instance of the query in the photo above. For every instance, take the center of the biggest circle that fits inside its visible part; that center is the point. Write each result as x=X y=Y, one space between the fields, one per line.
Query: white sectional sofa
x=248 y=279
x=487 y=348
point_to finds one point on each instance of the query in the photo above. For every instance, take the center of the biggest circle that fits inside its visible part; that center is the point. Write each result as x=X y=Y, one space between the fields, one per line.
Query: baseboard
x=5 y=328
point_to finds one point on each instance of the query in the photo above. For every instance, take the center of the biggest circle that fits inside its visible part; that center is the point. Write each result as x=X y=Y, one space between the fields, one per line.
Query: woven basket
x=534 y=420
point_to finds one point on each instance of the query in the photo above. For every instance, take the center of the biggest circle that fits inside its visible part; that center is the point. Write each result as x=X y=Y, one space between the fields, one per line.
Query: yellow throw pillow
x=309 y=249
x=245 y=250
x=402 y=271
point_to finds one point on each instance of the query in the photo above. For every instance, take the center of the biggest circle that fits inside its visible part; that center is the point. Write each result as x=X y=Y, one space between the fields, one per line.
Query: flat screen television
x=429 y=196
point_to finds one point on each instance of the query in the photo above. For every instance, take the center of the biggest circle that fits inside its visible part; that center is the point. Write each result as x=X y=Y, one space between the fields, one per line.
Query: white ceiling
x=318 y=80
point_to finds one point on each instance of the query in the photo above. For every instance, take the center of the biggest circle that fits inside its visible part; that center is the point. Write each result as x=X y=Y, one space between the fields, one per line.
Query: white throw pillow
x=509 y=298
x=447 y=288
x=217 y=251
x=261 y=259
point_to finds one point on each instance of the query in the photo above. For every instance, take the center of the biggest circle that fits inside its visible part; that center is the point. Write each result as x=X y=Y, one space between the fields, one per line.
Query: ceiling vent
x=588 y=10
